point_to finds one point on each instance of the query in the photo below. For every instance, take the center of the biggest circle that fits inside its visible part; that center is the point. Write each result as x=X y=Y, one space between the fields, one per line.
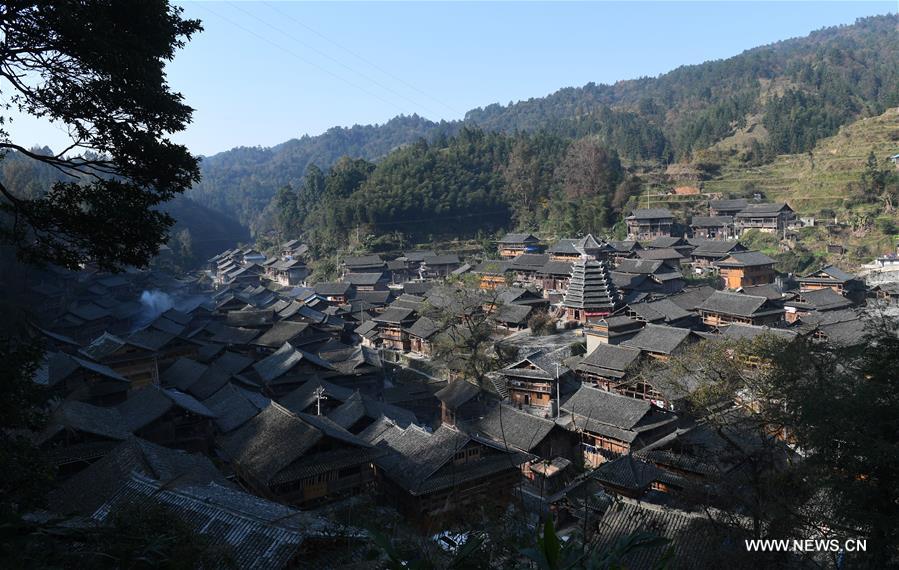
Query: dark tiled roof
x=249 y=531
x=607 y=413
x=512 y=314
x=281 y=332
x=745 y=259
x=275 y=438
x=755 y=210
x=529 y=261
x=651 y=213
x=330 y=289
x=395 y=315
x=735 y=304
x=493 y=267
x=694 y=541
x=423 y=328
x=149 y=404
x=183 y=373
x=609 y=360
x=715 y=248
x=711 y=221
x=739 y=331
x=86 y=491
x=86 y=418
x=506 y=425
x=556 y=268
x=364 y=261
x=363 y=278
x=445 y=259
x=829 y=273
x=419 y=461
x=234 y=406
x=658 y=338
x=513 y=238
x=825 y=299
x=284 y=360
x=732 y=204
x=252 y=318
x=639 y=266
x=692 y=297
x=457 y=393
x=625 y=246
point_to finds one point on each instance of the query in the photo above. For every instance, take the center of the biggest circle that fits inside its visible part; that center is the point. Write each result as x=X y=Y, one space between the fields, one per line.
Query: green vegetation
x=771 y=100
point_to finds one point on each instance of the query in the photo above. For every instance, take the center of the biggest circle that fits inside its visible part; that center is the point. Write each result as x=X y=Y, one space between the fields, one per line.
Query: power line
x=364 y=60
x=336 y=61
x=299 y=57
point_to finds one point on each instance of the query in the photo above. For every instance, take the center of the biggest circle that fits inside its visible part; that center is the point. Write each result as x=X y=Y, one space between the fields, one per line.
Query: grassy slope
x=818 y=181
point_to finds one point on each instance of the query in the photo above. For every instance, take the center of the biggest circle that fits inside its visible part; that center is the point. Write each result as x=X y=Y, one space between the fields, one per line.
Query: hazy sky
x=265 y=72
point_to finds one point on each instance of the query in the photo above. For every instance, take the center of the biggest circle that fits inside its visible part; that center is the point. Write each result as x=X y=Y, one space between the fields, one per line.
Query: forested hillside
x=775 y=99
x=242 y=181
x=199 y=232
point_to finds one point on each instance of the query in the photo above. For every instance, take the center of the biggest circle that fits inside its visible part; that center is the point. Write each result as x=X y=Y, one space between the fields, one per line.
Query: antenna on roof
x=319 y=394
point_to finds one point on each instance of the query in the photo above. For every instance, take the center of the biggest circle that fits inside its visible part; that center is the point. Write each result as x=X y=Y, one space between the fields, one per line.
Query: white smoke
x=154 y=303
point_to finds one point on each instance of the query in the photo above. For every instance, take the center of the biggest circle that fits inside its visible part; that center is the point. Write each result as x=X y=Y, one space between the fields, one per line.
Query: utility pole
x=319 y=393
x=558 y=392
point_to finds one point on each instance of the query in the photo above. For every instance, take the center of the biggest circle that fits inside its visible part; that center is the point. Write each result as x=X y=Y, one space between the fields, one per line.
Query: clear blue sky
x=264 y=72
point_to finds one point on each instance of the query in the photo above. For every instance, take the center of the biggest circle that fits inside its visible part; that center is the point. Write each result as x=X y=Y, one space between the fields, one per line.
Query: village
x=256 y=401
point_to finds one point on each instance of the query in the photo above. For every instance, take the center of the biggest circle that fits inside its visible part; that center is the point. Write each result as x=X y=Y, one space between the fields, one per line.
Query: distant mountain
x=786 y=96
x=211 y=230
x=242 y=181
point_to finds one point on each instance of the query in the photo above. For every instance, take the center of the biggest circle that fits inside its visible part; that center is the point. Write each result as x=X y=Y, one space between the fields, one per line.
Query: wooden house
x=712 y=227
x=830 y=277
x=493 y=273
x=289 y=272
x=370 y=281
x=625 y=249
x=69 y=377
x=814 y=301
x=612 y=425
x=543 y=439
x=650 y=223
x=708 y=251
x=393 y=325
x=728 y=207
x=724 y=308
x=512 y=245
x=421 y=334
x=527 y=266
x=607 y=365
x=285 y=369
x=363 y=264
x=169 y=417
x=334 y=292
x=250 y=531
x=533 y=381
x=612 y=330
x=745 y=269
x=554 y=277
x=460 y=401
x=767 y=218
x=78 y=433
x=298 y=459
x=130 y=359
x=438 y=266
x=660 y=341
x=431 y=477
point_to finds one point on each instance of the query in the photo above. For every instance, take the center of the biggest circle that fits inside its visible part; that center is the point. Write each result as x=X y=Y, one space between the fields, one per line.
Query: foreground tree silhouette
x=98 y=68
